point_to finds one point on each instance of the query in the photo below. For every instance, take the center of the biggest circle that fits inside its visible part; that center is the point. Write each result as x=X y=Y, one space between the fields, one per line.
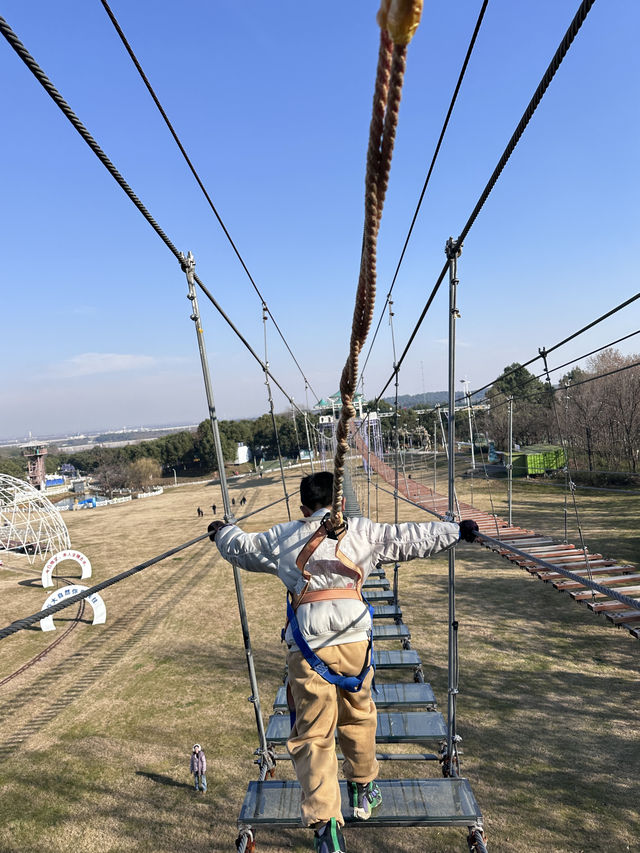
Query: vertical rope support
x=398 y=20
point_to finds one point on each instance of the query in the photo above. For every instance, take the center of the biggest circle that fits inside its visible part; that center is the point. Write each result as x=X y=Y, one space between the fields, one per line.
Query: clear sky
x=272 y=101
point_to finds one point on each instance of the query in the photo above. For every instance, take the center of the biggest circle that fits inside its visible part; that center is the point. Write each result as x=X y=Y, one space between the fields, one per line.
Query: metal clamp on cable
x=453 y=248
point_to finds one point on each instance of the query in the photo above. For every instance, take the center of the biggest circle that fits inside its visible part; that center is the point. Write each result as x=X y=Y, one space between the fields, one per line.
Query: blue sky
x=273 y=101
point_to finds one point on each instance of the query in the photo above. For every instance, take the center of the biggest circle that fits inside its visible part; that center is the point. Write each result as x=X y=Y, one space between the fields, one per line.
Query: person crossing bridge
x=328 y=637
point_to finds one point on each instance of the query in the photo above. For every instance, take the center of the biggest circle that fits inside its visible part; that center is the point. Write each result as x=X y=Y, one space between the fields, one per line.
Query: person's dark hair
x=316 y=490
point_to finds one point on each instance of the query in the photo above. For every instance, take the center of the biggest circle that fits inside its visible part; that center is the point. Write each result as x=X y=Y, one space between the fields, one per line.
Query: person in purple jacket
x=199 y=767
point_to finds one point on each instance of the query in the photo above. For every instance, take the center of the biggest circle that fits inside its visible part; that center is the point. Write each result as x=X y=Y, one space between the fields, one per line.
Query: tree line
x=593 y=411
x=598 y=421
x=188 y=453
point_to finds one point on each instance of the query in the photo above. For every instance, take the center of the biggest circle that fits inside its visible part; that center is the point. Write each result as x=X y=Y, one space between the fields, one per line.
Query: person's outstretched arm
x=254 y=552
x=410 y=540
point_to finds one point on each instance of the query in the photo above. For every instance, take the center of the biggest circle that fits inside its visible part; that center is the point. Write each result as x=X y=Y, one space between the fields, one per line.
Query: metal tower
x=35 y=465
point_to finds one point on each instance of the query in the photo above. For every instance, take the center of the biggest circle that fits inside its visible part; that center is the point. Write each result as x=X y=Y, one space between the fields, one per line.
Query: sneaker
x=363 y=798
x=329 y=838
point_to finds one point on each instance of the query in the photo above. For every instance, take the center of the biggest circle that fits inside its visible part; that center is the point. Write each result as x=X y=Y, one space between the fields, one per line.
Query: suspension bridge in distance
x=605 y=585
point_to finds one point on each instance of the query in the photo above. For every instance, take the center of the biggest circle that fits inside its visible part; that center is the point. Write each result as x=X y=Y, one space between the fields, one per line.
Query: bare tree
x=142 y=473
x=112 y=476
x=603 y=416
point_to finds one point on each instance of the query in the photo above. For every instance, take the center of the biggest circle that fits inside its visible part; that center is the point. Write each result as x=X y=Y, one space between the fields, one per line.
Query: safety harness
x=351 y=683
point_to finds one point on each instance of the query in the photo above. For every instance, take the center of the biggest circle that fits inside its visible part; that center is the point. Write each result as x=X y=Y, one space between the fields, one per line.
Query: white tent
x=29 y=523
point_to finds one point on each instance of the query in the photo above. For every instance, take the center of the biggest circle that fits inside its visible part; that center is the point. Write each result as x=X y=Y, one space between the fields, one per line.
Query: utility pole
x=510 y=465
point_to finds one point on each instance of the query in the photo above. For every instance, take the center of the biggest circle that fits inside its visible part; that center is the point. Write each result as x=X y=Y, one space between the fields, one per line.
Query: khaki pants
x=320 y=707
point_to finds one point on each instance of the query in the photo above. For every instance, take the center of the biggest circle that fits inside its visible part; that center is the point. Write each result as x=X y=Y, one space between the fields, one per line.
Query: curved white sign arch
x=76 y=556
x=95 y=600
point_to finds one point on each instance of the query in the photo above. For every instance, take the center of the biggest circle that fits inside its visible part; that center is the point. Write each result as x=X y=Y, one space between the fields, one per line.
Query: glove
x=468 y=530
x=214 y=527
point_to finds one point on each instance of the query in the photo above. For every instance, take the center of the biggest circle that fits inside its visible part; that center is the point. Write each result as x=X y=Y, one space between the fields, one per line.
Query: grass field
x=95 y=739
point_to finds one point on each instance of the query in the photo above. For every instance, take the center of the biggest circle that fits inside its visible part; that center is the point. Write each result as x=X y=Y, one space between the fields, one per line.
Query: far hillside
x=429 y=398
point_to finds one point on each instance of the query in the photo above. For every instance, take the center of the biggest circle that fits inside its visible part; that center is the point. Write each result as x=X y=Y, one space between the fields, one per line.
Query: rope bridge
x=566 y=567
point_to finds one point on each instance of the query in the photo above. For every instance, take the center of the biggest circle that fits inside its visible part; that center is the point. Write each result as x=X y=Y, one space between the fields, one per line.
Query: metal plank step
x=374 y=595
x=405 y=694
x=396 y=659
x=387 y=611
x=391 y=632
x=405 y=802
x=376 y=583
x=393 y=727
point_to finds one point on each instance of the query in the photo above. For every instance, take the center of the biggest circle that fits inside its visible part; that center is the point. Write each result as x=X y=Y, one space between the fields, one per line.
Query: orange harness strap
x=311 y=544
x=302 y=559
x=325 y=595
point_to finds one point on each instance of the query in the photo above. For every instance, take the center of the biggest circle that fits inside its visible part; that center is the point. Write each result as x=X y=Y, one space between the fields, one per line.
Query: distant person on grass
x=198 y=767
x=329 y=623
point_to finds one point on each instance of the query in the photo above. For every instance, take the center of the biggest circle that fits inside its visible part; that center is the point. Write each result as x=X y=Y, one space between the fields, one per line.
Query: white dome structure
x=29 y=523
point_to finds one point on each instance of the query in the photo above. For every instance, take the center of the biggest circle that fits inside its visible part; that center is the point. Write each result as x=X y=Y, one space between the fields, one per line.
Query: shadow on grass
x=33 y=582
x=547 y=705
x=163 y=780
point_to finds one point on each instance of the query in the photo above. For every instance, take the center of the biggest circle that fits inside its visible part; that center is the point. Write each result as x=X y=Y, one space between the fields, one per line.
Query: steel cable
x=21 y=624
x=51 y=90
x=195 y=174
x=553 y=66
x=573 y=384
x=562 y=343
x=559 y=367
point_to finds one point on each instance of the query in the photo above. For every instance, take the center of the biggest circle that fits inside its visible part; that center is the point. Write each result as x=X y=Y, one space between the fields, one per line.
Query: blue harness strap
x=350 y=683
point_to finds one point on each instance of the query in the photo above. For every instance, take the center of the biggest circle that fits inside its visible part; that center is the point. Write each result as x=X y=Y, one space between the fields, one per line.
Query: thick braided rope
x=398 y=67
x=363 y=292
x=381 y=142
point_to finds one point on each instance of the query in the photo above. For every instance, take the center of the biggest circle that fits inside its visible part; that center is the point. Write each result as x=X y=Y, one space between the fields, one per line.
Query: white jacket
x=329 y=623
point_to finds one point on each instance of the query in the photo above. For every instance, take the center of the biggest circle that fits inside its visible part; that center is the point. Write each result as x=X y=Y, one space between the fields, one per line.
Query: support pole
x=306 y=426
x=468 y=395
x=295 y=427
x=397 y=452
x=510 y=465
x=273 y=417
x=368 y=467
x=188 y=267
x=435 y=454
x=453 y=249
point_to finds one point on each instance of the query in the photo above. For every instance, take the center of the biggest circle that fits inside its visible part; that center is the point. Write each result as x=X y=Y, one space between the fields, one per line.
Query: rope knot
x=400 y=18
